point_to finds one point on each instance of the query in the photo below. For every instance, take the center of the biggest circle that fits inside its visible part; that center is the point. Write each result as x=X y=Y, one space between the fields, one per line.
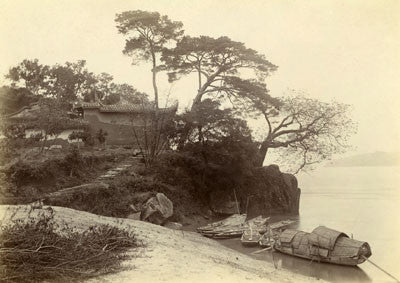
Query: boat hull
x=338 y=260
x=323 y=245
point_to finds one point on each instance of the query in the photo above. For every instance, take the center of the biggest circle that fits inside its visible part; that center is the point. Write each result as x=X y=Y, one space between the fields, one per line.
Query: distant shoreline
x=363 y=165
x=374 y=159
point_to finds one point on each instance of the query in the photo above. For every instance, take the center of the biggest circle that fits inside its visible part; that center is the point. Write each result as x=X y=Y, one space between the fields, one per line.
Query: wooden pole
x=381 y=269
x=247 y=204
x=237 y=206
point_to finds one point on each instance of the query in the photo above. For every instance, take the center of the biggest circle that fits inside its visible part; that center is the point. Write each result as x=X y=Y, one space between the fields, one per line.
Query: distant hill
x=378 y=158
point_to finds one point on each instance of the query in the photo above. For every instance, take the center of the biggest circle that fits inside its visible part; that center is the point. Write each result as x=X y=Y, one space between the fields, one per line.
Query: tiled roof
x=122 y=108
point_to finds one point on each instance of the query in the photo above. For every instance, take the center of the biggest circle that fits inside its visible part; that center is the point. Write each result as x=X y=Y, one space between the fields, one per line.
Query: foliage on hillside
x=36 y=175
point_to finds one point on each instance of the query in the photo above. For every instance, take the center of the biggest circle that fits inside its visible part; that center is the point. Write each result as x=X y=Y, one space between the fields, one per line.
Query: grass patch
x=34 y=252
x=28 y=179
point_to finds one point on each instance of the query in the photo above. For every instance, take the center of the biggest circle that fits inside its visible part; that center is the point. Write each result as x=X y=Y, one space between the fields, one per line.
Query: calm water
x=363 y=201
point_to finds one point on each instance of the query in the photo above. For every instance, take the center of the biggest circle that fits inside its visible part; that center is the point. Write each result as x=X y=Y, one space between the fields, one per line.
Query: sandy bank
x=169 y=255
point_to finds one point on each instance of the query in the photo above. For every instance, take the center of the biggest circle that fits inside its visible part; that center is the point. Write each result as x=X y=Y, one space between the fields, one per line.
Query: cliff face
x=270 y=191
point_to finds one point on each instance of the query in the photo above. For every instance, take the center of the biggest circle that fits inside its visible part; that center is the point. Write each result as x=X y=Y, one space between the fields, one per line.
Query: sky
x=347 y=51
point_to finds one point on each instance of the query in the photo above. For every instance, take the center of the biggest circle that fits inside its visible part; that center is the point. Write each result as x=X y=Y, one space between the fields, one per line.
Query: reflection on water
x=329 y=272
x=360 y=201
x=326 y=271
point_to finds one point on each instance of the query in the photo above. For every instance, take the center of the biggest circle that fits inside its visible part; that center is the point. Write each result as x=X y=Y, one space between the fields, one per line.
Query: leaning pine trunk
x=262 y=152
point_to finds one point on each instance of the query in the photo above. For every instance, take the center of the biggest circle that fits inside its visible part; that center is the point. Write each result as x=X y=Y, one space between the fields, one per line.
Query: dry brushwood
x=33 y=252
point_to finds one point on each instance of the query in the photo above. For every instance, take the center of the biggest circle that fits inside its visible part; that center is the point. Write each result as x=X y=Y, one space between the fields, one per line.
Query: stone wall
x=117 y=125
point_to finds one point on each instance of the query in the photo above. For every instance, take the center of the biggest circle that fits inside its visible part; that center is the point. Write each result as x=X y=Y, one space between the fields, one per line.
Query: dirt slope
x=169 y=255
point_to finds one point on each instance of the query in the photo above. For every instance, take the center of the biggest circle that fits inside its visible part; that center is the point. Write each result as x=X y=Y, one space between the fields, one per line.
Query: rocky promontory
x=267 y=191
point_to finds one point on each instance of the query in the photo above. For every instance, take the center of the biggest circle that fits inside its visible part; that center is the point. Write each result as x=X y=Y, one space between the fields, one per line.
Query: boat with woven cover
x=324 y=245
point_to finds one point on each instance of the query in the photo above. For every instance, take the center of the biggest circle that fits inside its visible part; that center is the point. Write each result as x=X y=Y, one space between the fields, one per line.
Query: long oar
x=381 y=269
x=260 y=251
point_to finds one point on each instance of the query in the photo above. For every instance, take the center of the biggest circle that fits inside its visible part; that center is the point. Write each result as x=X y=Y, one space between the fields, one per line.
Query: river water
x=360 y=201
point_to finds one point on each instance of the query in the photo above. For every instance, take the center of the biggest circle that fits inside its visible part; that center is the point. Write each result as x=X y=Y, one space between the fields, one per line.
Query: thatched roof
x=325 y=237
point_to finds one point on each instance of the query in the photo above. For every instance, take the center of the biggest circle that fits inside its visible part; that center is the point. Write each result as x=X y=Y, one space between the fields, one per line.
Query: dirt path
x=169 y=255
x=118 y=168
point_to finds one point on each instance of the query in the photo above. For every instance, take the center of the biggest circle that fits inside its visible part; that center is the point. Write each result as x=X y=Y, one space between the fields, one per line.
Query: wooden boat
x=267 y=239
x=232 y=226
x=323 y=245
x=281 y=224
x=250 y=237
x=227 y=228
x=254 y=229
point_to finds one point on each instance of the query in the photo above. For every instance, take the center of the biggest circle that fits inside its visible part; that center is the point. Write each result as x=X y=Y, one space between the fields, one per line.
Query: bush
x=114 y=201
x=73 y=161
x=101 y=136
x=203 y=168
x=34 y=252
x=84 y=136
x=55 y=172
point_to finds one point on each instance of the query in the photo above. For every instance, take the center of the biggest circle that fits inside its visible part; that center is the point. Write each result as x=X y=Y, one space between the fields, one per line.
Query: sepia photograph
x=199 y=141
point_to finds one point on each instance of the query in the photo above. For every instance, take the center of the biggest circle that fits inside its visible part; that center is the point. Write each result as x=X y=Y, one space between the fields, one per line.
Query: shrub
x=113 y=201
x=34 y=252
x=101 y=136
x=84 y=136
x=73 y=161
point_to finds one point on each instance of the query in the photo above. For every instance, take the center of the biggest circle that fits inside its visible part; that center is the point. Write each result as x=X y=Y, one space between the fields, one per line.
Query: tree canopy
x=30 y=74
x=68 y=83
x=148 y=33
x=307 y=130
x=214 y=61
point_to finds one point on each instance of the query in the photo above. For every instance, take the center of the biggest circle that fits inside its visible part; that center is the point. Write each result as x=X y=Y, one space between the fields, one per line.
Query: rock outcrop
x=220 y=204
x=272 y=192
x=268 y=191
x=157 y=209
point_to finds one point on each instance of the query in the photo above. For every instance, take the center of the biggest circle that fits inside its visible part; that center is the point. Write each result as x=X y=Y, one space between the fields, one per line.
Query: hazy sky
x=343 y=50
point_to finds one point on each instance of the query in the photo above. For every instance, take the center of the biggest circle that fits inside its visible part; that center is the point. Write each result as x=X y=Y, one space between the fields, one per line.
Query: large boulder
x=157 y=209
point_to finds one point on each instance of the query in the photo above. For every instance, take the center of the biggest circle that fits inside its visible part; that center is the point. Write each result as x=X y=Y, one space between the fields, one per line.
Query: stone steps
x=111 y=173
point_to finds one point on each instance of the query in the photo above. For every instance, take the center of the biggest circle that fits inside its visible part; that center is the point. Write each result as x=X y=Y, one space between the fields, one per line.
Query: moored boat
x=233 y=226
x=281 y=224
x=227 y=228
x=250 y=237
x=324 y=245
x=254 y=230
x=267 y=239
